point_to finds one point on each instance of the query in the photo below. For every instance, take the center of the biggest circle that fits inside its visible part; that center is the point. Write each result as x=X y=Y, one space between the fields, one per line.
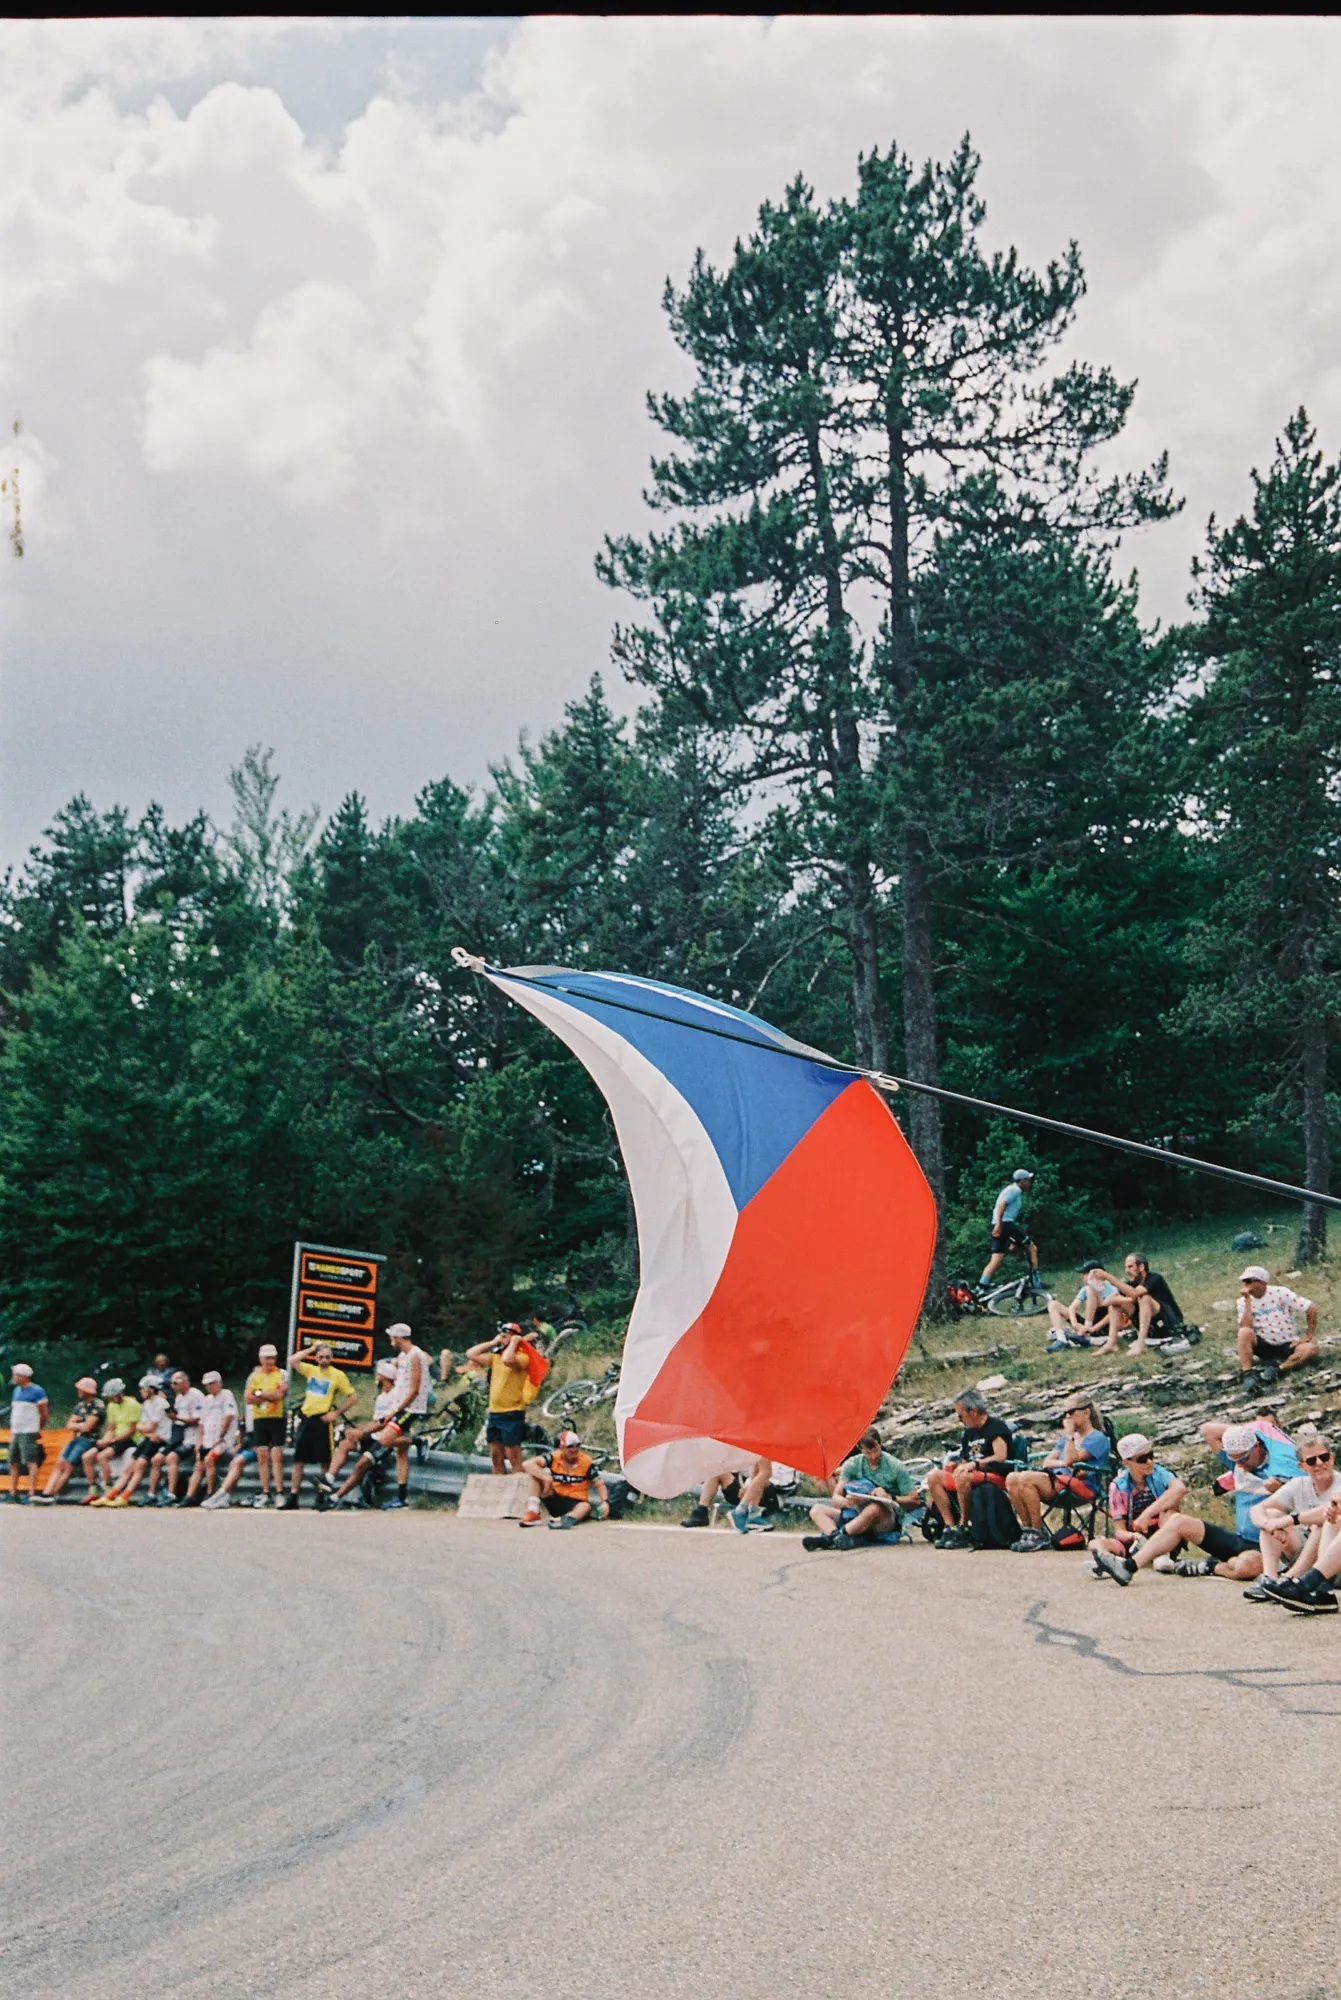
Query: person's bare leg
x=757 y=1484
x=964 y=1496
x=1245 y=1347
x=1307 y=1350
x=937 y=1494
x=992 y=1266
x=1145 y=1312
x=1272 y=1542
x=825 y=1518
x=514 y=1457
x=495 y=1457
x=872 y=1520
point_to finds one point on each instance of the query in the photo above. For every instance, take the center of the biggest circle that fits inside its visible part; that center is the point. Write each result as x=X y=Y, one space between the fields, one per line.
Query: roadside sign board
x=334 y=1298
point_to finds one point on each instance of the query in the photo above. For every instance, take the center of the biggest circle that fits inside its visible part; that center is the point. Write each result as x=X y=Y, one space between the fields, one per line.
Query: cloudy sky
x=330 y=341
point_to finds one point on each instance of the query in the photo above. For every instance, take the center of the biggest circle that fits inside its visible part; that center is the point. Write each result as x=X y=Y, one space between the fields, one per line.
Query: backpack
x=992 y=1521
x=1068 y=1537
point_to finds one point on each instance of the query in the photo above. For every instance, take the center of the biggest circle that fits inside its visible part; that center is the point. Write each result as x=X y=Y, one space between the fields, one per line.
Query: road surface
x=330 y=1756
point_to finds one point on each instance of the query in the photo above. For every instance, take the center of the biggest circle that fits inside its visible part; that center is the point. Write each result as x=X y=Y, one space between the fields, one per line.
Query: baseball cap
x=86 y=1386
x=1257 y=1274
x=211 y=1375
x=148 y=1381
x=569 y=1437
x=1134 y=1445
x=1023 y=1174
x=386 y=1370
x=21 y=1368
x=113 y=1386
x=399 y=1331
x=1239 y=1440
x=269 y=1348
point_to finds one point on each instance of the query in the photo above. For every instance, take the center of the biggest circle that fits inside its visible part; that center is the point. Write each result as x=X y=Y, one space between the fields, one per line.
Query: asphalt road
x=334 y=1755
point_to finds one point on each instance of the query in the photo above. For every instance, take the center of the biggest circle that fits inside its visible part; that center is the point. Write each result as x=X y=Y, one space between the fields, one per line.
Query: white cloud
x=333 y=405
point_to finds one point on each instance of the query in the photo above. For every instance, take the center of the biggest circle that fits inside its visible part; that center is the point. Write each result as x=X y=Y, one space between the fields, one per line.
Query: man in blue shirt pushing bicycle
x=1008 y=1231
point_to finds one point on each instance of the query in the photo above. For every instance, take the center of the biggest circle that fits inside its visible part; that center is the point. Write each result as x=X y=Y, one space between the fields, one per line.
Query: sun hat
x=86 y=1386
x=1255 y=1274
x=1134 y=1445
x=1239 y=1440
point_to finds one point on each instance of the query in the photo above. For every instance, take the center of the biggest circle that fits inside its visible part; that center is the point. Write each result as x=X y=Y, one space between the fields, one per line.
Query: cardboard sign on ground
x=494 y=1497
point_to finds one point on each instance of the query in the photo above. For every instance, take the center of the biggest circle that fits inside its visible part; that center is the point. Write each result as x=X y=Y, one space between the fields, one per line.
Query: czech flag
x=785 y=1230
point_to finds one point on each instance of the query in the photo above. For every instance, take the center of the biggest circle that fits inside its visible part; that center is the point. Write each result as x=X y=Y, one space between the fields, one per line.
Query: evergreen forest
x=907 y=774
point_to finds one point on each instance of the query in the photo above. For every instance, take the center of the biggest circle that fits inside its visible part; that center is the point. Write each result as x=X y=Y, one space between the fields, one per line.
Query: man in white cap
x=86 y=1421
x=28 y=1413
x=413 y=1387
x=1269 y=1337
x=566 y=1484
x=1008 y=1231
x=264 y=1394
x=152 y=1431
x=1262 y=1464
x=362 y=1441
x=219 y=1433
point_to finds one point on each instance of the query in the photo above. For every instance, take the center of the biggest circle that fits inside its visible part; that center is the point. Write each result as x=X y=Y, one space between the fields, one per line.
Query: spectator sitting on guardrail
x=329 y=1395
x=121 y=1416
x=28 y=1413
x=1261 y=1466
x=86 y=1421
x=1076 y=1467
x=869 y=1492
x=509 y=1374
x=220 y=1433
x=723 y=1486
x=984 y=1447
x=413 y=1388
x=566 y=1484
x=184 y=1444
x=361 y=1441
x=147 y=1447
x=1140 y=1499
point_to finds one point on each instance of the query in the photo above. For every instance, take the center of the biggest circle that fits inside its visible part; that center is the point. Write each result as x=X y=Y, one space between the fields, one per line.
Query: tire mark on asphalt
x=1086 y=1646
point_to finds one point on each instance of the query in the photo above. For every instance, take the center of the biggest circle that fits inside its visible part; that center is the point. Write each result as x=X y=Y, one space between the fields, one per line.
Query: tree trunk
x=1317 y=1149
x=919 y=1038
x=870 y=1023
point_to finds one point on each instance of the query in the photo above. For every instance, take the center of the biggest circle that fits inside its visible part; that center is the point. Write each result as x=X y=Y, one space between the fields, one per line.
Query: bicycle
x=1017 y=1298
x=573 y=1398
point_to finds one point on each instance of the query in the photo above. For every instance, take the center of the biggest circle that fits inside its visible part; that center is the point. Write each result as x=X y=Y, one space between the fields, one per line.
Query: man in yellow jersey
x=329 y=1395
x=509 y=1379
x=264 y=1396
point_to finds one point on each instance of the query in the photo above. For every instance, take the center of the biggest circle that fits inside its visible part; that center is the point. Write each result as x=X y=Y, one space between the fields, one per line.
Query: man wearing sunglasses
x=1292 y=1522
x=1262 y=1465
x=1140 y=1500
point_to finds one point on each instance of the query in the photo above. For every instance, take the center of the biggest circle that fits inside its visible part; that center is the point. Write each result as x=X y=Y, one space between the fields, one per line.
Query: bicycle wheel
x=567 y=1400
x=1017 y=1302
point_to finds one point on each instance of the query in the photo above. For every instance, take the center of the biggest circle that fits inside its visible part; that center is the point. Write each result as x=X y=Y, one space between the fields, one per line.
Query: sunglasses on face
x=1142 y=1458
x=1319 y=1458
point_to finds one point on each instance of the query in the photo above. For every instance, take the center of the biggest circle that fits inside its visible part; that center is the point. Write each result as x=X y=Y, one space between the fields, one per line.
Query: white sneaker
x=261 y=1500
x=216 y=1500
x=1165 y=1565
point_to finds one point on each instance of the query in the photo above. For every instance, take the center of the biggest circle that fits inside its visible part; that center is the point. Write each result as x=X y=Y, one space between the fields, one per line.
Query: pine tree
x=1264 y=745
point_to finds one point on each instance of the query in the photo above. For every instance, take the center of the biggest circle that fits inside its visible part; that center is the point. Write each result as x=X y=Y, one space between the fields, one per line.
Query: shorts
x=221 y=1457
x=1224 y=1545
x=1073 y=1486
x=267 y=1434
x=25 y=1448
x=1273 y=1350
x=147 y=1449
x=185 y=1449
x=978 y=1476
x=558 y=1503
x=1008 y=1236
x=506 y=1427
x=312 y=1446
x=404 y=1423
x=72 y=1453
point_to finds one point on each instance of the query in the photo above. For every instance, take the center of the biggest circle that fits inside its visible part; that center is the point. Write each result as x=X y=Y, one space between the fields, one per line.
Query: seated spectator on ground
x=28 y=1413
x=1262 y=1464
x=121 y=1418
x=1145 y=1296
x=1270 y=1343
x=220 y=1433
x=984 y=1447
x=86 y=1422
x=1086 y=1318
x=147 y=1447
x=1074 y=1469
x=566 y=1484
x=1314 y=1590
x=869 y=1493
x=1291 y=1520
x=723 y=1486
x=1140 y=1499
